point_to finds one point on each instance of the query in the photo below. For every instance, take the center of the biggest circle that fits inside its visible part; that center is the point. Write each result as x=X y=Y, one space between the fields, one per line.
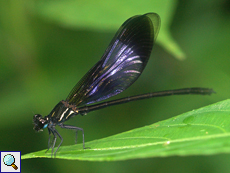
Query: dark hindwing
x=122 y=63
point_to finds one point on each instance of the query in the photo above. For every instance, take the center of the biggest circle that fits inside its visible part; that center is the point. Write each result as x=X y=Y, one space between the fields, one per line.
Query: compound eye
x=39 y=122
x=37 y=116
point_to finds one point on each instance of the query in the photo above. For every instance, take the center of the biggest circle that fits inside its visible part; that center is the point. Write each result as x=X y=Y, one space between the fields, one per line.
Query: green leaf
x=109 y=15
x=204 y=131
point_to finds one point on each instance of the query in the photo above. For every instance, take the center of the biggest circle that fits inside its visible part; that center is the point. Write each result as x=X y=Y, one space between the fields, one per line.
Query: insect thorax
x=62 y=112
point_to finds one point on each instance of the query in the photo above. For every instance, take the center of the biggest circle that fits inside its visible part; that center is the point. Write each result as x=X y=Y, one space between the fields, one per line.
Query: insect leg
x=76 y=129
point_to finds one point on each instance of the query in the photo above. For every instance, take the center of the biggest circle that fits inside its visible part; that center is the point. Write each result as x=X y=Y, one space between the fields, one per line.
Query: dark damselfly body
x=122 y=63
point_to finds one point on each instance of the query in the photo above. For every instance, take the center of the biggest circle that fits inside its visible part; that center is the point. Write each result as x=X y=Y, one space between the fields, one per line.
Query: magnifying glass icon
x=9 y=160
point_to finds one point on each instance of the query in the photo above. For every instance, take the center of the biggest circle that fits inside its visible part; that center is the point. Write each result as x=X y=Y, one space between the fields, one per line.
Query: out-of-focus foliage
x=103 y=16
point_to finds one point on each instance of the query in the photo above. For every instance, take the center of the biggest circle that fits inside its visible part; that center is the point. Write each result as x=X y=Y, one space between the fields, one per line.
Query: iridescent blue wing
x=122 y=63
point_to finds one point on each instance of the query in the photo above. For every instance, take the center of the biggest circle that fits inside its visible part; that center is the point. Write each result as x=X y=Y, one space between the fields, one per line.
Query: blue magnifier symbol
x=9 y=160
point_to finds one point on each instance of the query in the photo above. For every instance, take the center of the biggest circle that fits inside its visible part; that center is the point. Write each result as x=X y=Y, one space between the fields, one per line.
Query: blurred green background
x=47 y=46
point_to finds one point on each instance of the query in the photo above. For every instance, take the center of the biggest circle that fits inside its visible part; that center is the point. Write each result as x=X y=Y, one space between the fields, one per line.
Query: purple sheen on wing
x=93 y=91
x=121 y=64
x=106 y=97
x=120 y=52
x=131 y=71
x=132 y=58
x=110 y=52
x=115 y=67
